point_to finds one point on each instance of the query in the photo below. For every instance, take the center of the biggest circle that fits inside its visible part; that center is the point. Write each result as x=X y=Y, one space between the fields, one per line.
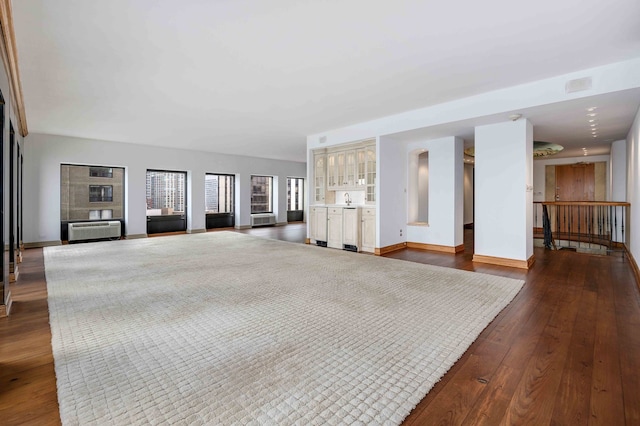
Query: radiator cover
x=94 y=230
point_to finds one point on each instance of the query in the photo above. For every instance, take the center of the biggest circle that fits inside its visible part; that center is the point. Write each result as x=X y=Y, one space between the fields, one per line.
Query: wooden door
x=575 y=182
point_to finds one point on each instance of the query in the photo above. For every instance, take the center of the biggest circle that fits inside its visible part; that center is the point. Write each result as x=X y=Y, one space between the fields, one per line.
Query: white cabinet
x=368 y=230
x=351 y=228
x=319 y=177
x=370 y=158
x=334 y=227
x=332 y=180
x=346 y=167
x=318 y=224
x=361 y=162
x=342 y=169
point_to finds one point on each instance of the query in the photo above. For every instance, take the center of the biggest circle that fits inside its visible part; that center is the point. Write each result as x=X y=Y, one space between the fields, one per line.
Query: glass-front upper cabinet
x=319 y=177
x=371 y=174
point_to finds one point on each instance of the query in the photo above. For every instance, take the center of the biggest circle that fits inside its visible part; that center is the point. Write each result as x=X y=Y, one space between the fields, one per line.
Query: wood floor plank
x=574 y=395
x=465 y=385
x=606 y=395
x=627 y=302
x=534 y=397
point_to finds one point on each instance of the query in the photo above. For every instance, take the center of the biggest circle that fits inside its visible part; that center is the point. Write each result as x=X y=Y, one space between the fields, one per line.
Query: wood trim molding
x=196 y=231
x=39 y=244
x=9 y=44
x=307 y=240
x=5 y=309
x=502 y=261
x=634 y=266
x=436 y=247
x=388 y=249
x=135 y=236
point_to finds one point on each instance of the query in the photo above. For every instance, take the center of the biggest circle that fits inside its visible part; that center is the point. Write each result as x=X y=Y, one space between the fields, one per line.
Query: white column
x=195 y=201
x=504 y=194
x=618 y=171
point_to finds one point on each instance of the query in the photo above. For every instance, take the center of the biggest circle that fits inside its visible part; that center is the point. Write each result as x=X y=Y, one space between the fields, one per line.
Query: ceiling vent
x=578 y=85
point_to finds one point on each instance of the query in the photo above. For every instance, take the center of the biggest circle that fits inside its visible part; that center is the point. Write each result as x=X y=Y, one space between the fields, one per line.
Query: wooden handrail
x=583 y=203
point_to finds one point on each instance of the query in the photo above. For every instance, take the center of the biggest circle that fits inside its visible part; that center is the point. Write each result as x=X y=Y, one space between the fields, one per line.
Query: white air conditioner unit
x=94 y=230
x=262 y=219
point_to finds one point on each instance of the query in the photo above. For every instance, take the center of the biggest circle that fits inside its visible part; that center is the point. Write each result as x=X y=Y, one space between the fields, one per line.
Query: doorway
x=575 y=182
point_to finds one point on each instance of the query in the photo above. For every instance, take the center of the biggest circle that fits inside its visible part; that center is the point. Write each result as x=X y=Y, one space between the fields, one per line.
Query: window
x=80 y=189
x=166 y=193
x=294 y=194
x=218 y=193
x=106 y=172
x=100 y=214
x=100 y=193
x=261 y=194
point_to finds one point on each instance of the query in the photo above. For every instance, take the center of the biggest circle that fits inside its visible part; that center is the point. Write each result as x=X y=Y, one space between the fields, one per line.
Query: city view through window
x=261 y=194
x=218 y=193
x=295 y=194
x=165 y=193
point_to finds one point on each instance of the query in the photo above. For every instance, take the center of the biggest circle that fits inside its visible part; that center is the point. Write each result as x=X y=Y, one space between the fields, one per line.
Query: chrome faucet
x=347 y=198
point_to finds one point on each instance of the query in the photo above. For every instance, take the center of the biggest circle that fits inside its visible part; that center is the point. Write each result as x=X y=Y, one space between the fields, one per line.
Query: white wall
x=504 y=190
x=391 y=197
x=633 y=187
x=45 y=153
x=446 y=192
x=468 y=194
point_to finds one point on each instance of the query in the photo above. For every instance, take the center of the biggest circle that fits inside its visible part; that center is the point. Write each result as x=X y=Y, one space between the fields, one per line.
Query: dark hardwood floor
x=566 y=351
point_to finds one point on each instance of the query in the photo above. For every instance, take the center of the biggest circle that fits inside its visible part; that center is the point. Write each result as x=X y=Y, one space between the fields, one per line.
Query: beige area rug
x=223 y=328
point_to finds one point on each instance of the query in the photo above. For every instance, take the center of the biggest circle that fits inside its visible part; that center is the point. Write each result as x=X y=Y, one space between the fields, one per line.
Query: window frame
x=230 y=204
x=93 y=172
x=186 y=176
x=108 y=198
x=300 y=199
x=270 y=195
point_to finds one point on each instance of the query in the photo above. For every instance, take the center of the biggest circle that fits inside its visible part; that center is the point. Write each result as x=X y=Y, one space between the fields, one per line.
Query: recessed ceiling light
x=592 y=114
x=592 y=120
x=593 y=124
x=592 y=109
x=595 y=136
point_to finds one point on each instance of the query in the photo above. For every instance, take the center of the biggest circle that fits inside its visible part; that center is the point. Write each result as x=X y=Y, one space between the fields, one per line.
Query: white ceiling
x=253 y=77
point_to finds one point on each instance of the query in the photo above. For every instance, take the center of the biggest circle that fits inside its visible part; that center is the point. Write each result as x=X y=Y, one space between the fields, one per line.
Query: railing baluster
x=600 y=225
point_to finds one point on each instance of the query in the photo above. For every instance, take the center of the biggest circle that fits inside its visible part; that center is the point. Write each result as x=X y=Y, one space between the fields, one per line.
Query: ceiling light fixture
x=514 y=117
x=592 y=109
x=592 y=120
x=592 y=114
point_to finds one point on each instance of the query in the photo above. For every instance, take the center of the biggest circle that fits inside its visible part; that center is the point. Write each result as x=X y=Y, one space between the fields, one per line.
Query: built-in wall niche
x=418 y=187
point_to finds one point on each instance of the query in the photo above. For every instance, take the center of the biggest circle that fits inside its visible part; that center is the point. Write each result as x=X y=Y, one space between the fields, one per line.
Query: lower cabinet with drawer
x=348 y=228
x=368 y=230
x=334 y=227
x=351 y=228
